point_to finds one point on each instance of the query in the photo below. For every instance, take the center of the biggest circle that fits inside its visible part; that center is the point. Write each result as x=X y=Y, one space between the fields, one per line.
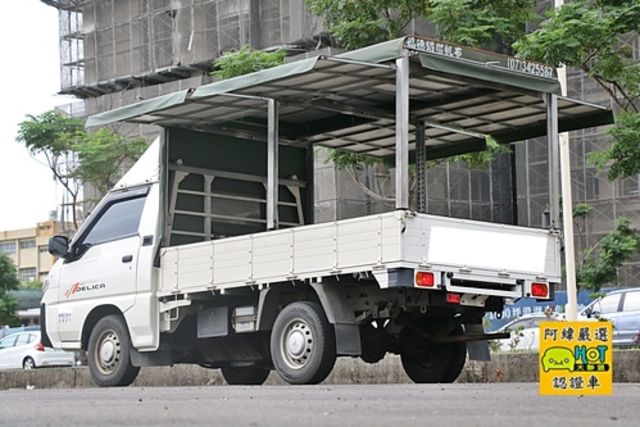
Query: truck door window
x=120 y=220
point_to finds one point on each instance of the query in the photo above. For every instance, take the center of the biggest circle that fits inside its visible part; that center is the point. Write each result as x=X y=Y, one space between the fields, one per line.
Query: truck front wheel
x=109 y=353
x=303 y=346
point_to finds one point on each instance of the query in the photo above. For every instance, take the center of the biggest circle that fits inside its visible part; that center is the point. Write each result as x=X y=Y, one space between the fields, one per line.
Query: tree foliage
x=488 y=23
x=358 y=23
x=8 y=281
x=53 y=136
x=101 y=156
x=589 y=35
x=246 y=60
x=76 y=156
x=600 y=263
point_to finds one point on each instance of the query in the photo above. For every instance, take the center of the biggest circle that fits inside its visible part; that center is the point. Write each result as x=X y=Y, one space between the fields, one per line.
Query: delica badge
x=576 y=358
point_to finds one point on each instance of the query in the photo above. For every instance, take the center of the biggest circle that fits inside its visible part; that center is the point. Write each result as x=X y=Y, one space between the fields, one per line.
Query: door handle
x=127 y=258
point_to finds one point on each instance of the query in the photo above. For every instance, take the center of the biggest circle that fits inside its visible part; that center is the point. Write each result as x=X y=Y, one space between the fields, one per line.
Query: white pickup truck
x=206 y=251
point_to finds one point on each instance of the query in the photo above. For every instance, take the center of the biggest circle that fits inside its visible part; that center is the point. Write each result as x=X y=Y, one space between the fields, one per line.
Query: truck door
x=102 y=268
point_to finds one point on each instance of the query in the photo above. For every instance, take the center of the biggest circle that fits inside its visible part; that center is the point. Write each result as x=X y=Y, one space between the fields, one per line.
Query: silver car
x=24 y=350
x=622 y=308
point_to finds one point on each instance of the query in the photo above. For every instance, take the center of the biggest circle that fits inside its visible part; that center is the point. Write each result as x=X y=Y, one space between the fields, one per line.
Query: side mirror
x=59 y=246
x=588 y=312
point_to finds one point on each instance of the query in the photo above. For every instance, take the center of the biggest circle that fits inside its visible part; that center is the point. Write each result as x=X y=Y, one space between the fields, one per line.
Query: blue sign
x=529 y=306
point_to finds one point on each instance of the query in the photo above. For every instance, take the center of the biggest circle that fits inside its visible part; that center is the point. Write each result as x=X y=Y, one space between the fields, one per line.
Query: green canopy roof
x=348 y=101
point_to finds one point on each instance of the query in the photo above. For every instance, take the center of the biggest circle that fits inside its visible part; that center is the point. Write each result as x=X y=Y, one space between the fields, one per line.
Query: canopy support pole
x=554 y=161
x=402 y=132
x=421 y=168
x=272 y=164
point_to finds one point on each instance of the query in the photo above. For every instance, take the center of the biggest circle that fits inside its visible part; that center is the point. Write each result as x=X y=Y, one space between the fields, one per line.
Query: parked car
x=622 y=308
x=25 y=350
x=524 y=332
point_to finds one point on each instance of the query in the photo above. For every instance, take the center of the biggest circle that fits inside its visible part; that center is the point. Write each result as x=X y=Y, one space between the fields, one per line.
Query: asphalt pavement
x=448 y=405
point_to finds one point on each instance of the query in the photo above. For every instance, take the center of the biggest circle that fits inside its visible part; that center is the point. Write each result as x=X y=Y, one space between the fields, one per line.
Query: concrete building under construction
x=115 y=52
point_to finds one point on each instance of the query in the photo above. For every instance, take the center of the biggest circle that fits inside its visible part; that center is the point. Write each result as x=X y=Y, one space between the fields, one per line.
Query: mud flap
x=341 y=316
x=478 y=350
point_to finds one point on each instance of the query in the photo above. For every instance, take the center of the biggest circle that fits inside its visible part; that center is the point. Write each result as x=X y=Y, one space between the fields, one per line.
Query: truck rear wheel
x=303 y=346
x=109 y=353
x=245 y=375
x=435 y=363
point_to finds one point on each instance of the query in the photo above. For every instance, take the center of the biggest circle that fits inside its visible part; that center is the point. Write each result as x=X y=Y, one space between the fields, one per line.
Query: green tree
x=76 y=156
x=492 y=24
x=358 y=23
x=8 y=281
x=489 y=24
x=246 y=60
x=590 y=35
x=54 y=136
x=102 y=155
x=600 y=263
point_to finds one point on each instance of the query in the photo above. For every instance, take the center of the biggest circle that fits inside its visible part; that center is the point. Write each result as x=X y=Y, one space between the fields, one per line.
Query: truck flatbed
x=377 y=244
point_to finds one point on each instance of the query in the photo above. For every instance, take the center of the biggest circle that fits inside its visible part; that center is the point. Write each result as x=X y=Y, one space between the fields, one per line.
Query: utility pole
x=567 y=205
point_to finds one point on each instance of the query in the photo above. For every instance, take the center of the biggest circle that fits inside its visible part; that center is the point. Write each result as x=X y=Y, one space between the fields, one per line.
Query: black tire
x=246 y=375
x=434 y=363
x=458 y=359
x=28 y=363
x=303 y=344
x=112 y=367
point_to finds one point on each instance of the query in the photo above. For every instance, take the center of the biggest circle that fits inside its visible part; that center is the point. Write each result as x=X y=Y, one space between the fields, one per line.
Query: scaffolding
x=108 y=46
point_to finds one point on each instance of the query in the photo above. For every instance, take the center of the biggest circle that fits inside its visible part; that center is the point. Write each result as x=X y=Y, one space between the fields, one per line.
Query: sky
x=29 y=81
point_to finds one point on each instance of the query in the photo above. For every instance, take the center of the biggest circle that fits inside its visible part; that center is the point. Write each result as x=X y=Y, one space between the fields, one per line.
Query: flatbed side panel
x=194 y=266
x=272 y=255
x=168 y=270
x=369 y=241
x=316 y=250
x=231 y=261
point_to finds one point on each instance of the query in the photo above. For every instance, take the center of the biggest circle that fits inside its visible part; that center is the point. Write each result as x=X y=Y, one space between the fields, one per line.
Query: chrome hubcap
x=107 y=356
x=297 y=343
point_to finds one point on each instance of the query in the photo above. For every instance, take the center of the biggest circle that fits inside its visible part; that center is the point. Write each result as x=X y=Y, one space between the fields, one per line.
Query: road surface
x=451 y=405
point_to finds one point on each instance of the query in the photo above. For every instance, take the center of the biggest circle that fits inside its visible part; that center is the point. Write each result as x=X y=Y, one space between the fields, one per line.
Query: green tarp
x=138 y=109
x=255 y=79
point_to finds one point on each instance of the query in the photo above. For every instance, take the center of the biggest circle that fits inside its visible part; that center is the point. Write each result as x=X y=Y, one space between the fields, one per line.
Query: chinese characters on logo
x=575 y=358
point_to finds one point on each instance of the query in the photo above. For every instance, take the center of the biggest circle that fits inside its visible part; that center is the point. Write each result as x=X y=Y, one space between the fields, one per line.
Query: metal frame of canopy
x=413 y=93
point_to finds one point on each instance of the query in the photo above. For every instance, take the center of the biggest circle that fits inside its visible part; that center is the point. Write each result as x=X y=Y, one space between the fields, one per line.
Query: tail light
x=540 y=290
x=453 y=298
x=39 y=347
x=425 y=279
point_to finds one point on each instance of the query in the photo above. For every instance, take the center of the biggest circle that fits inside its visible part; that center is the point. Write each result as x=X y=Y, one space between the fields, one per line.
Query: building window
x=27 y=244
x=44 y=249
x=27 y=274
x=8 y=248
